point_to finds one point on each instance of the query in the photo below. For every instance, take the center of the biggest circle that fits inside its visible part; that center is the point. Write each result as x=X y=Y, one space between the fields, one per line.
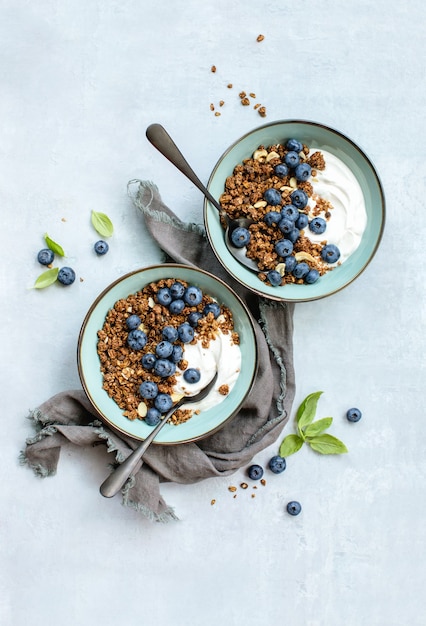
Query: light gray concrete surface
x=80 y=82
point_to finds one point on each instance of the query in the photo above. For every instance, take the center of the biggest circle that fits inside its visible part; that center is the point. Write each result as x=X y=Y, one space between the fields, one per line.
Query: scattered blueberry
x=163 y=402
x=294 y=145
x=294 y=507
x=177 y=290
x=136 y=339
x=290 y=263
x=272 y=196
x=164 y=368
x=194 y=318
x=290 y=212
x=192 y=375
x=299 y=198
x=284 y=247
x=292 y=159
x=212 y=307
x=176 y=306
x=148 y=390
x=353 y=415
x=45 y=256
x=274 y=278
x=240 y=237
x=302 y=221
x=281 y=170
x=255 y=472
x=66 y=275
x=186 y=332
x=164 y=349
x=193 y=295
x=153 y=416
x=177 y=354
x=272 y=217
x=317 y=225
x=303 y=171
x=164 y=296
x=312 y=276
x=148 y=360
x=133 y=322
x=277 y=464
x=330 y=253
x=301 y=270
x=285 y=225
x=101 y=247
x=170 y=333
x=294 y=235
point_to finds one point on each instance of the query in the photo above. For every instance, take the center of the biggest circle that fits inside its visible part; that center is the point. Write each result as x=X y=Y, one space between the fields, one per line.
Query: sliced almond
x=176 y=397
x=272 y=155
x=259 y=154
x=260 y=204
x=304 y=256
x=142 y=409
x=151 y=302
x=281 y=268
x=286 y=188
x=293 y=182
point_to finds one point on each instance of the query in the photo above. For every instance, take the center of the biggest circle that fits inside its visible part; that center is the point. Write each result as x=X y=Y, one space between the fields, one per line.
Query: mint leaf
x=102 y=224
x=52 y=245
x=290 y=445
x=306 y=411
x=318 y=427
x=327 y=444
x=47 y=278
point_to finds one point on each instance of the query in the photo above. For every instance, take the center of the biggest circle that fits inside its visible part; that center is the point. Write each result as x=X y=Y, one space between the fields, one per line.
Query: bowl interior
x=315 y=136
x=89 y=366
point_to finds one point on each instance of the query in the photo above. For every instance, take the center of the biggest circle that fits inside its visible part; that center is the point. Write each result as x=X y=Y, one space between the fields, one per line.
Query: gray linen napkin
x=69 y=417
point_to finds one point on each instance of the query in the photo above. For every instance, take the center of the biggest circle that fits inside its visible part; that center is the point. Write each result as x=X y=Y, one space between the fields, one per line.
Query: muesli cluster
x=141 y=347
x=274 y=187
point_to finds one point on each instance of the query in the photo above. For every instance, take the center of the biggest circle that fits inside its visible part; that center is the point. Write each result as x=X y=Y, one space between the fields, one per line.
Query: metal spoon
x=161 y=140
x=118 y=477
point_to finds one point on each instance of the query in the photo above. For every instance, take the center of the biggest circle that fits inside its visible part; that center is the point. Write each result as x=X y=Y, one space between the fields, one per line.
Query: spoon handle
x=161 y=140
x=114 y=482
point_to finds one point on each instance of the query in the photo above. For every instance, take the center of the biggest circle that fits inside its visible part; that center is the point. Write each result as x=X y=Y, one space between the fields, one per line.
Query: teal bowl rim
x=104 y=418
x=247 y=272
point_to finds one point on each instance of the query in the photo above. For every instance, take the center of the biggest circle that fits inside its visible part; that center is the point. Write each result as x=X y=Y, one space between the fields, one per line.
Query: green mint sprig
x=102 y=224
x=310 y=432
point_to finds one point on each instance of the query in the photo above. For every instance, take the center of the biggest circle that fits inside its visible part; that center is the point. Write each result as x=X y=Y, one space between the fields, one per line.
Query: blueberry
x=194 y=318
x=164 y=349
x=153 y=416
x=170 y=333
x=292 y=159
x=277 y=464
x=299 y=198
x=317 y=225
x=186 y=332
x=255 y=472
x=285 y=225
x=176 y=306
x=192 y=375
x=101 y=247
x=66 y=275
x=284 y=247
x=303 y=171
x=163 y=402
x=133 y=322
x=240 y=237
x=148 y=360
x=164 y=368
x=281 y=170
x=272 y=196
x=302 y=221
x=272 y=217
x=177 y=290
x=290 y=263
x=301 y=270
x=294 y=145
x=353 y=415
x=312 y=276
x=136 y=339
x=164 y=296
x=330 y=253
x=45 y=256
x=294 y=508
x=148 y=390
x=274 y=278
x=193 y=295
x=290 y=212
x=294 y=235
x=177 y=354
x=212 y=307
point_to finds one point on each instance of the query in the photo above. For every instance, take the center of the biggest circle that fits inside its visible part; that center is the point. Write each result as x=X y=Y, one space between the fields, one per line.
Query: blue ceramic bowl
x=316 y=136
x=200 y=425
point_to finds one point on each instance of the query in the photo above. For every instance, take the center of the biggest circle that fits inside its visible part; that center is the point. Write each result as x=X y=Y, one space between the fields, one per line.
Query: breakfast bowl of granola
x=314 y=204
x=159 y=334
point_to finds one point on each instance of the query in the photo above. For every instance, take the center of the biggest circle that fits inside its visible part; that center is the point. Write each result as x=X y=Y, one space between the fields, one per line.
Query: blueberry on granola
x=303 y=171
x=163 y=402
x=153 y=416
x=330 y=253
x=177 y=290
x=148 y=360
x=212 y=307
x=101 y=247
x=164 y=296
x=281 y=170
x=284 y=247
x=312 y=276
x=164 y=349
x=294 y=145
x=294 y=235
x=240 y=237
x=194 y=318
x=272 y=197
x=66 y=276
x=302 y=221
x=164 y=368
x=290 y=263
x=285 y=225
x=169 y=333
x=133 y=322
x=176 y=306
x=272 y=217
x=299 y=198
x=274 y=278
x=177 y=354
x=301 y=270
x=317 y=225
x=292 y=159
x=185 y=332
x=148 y=390
x=192 y=375
x=136 y=339
x=290 y=212
x=45 y=256
x=193 y=295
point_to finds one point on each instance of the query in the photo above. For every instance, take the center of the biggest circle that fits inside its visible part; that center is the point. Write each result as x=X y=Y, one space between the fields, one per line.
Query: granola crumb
x=244 y=485
x=232 y=488
x=262 y=111
x=211 y=106
x=221 y=103
x=242 y=94
x=260 y=38
x=253 y=495
x=229 y=85
x=217 y=113
x=245 y=102
x=212 y=502
x=263 y=481
x=252 y=95
x=224 y=390
x=213 y=68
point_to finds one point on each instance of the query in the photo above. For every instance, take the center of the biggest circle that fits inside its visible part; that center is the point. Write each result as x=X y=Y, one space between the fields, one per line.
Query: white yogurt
x=221 y=355
x=337 y=184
